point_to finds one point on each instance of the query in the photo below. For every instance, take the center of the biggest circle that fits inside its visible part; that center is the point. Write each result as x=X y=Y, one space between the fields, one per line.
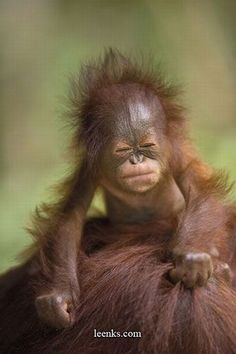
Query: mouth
x=139 y=176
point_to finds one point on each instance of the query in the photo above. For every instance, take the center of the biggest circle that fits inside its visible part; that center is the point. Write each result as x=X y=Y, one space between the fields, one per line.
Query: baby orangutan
x=132 y=136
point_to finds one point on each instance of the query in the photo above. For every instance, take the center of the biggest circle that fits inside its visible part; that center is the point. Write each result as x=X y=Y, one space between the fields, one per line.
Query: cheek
x=109 y=170
x=154 y=165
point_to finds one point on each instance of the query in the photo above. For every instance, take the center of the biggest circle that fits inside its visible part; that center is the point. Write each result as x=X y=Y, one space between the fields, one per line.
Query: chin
x=139 y=188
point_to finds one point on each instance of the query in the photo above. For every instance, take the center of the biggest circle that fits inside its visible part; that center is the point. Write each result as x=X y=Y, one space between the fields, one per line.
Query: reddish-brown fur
x=124 y=270
x=56 y=224
x=124 y=287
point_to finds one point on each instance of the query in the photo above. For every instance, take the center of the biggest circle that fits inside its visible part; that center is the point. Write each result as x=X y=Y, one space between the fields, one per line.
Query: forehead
x=129 y=111
x=137 y=117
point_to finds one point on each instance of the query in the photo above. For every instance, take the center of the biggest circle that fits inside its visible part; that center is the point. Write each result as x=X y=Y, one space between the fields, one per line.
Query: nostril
x=140 y=157
x=133 y=159
x=136 y=158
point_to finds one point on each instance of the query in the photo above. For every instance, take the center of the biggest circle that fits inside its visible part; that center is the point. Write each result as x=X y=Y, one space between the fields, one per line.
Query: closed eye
x=147 y=145
x=123 y=149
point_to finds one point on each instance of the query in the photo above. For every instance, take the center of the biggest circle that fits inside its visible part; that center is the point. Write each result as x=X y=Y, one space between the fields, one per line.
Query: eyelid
x=123 y=149
x=147 y=145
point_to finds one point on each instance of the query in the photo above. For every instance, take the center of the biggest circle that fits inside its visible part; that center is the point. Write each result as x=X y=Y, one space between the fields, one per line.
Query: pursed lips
x=139 y=174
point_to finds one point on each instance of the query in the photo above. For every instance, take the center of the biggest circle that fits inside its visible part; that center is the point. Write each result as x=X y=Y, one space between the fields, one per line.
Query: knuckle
x=58 y=300
x=225 y=267
x=201 y=281
x=200 y=258
x=206 y=257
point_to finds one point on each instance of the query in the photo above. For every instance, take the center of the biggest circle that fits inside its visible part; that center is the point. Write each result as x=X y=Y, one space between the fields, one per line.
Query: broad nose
x=134 y=159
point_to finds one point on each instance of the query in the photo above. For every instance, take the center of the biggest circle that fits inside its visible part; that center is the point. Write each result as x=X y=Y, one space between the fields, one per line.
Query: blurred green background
x=42 y=42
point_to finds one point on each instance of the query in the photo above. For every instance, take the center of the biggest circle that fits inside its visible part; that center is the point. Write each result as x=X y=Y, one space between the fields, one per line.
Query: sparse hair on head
x=114 y=68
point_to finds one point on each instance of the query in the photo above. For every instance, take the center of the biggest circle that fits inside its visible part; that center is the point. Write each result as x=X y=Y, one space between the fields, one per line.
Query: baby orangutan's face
x=134 y=161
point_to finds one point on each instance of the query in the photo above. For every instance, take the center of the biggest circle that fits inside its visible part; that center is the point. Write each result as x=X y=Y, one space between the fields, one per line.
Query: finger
x=43 y=306
x=223 y=271
x=210 y=268
x=60 y=312
x=53 y=310
x=175 y=275
x=190 y=279
x=202 y=277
